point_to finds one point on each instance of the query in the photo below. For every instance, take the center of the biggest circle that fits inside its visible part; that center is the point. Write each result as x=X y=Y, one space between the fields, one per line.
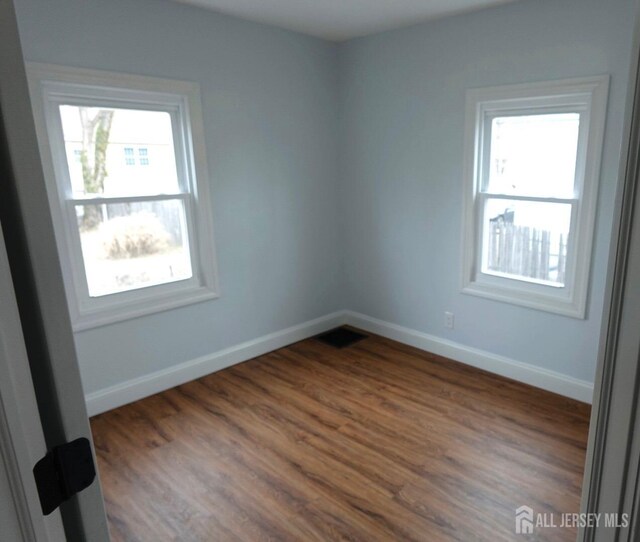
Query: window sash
x=488 y=112
x=106 y=200
x=515 y=197
x=529 y=284
x=69 y=202
x=484 y=142
x=79 y=267
x=179 y=128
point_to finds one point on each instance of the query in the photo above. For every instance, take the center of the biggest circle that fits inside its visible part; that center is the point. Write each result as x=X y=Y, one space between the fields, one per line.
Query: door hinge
x=65 y=470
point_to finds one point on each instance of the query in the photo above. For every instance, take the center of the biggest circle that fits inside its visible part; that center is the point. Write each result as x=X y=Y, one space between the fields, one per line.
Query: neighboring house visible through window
x=130 y=159
x=143 y=155
x=133 y=240
x=532 y=168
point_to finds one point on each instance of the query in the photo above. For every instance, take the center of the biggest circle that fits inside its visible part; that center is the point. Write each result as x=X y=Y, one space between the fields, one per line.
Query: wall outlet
x=448 y=320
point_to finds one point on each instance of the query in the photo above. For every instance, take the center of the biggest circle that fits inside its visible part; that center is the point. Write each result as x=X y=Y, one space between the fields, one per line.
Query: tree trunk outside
x=95 y=140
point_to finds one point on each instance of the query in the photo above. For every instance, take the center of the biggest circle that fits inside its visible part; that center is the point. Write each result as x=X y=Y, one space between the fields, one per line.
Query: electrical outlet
x=448 y=320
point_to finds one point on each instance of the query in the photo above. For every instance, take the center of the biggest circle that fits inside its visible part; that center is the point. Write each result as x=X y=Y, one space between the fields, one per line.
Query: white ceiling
x=339 y=20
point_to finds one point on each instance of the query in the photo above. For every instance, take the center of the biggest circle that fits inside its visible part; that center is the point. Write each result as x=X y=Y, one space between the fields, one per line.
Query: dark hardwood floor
x=377 y=441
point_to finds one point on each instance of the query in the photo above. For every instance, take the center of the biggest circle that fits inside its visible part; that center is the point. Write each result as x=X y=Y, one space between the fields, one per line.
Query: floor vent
x=340 y=337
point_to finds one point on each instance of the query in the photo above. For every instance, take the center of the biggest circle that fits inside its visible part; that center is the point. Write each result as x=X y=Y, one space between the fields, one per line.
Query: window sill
x=548 y=303
x=129 y=310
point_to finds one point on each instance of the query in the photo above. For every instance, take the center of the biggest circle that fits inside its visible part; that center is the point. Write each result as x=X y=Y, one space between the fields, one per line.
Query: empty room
x=329 y=270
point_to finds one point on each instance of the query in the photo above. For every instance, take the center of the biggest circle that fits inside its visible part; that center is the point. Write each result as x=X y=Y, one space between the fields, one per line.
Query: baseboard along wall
x=527 y=373
x=144 y=386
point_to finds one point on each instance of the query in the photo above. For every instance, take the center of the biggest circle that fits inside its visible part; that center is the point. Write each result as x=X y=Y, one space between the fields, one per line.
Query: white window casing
x=53 y=86
x=586 y=97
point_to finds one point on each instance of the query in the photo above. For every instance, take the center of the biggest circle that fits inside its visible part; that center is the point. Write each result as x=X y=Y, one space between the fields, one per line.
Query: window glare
x=534 y=155
x=133 y=137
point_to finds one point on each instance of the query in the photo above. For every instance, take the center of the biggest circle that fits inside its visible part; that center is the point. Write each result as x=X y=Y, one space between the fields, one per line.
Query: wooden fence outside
x=527 y=252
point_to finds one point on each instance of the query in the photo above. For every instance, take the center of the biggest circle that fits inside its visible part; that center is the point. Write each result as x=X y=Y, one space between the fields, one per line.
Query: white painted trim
x=500 y=365
x=22 y=441
x=138 y=388
x=588 y=94
x=612 y=466
x=48 y=84
x=144 y=386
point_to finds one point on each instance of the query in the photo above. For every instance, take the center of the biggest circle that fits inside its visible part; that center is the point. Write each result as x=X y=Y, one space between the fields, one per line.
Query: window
x=129 y=160
x=143 y=153
x=531 y=173
x=133 y=240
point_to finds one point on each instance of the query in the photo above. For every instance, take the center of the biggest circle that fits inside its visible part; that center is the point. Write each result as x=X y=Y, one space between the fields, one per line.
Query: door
x=21 y=438
x=37 y=281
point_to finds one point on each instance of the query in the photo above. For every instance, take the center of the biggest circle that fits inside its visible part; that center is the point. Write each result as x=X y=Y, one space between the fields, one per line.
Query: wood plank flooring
x=373 y=442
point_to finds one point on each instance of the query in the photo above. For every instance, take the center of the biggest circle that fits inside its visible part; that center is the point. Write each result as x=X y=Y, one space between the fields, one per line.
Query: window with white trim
x=133 y=240
x=532 y=161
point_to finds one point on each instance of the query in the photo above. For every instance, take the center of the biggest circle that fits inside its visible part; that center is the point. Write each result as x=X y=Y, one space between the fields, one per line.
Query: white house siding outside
x=136 y=130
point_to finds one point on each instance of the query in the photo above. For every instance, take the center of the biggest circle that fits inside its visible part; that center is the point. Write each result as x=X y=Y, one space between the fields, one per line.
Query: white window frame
x=50 y=86
x=588 y=96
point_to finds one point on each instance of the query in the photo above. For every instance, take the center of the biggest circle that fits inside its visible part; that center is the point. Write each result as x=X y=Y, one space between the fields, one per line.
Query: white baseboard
x=539 y=377
x=138 y=388
x=144 y=386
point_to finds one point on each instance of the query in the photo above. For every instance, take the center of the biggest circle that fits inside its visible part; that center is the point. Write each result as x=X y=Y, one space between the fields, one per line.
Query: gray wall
x=9 y=518
x=402 y=116
x=336 y=169
x=270 y=120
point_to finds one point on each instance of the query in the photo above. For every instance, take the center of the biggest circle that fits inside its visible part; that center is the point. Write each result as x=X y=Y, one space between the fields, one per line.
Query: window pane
x=526 y=240
x=132 y=245
x=534 y=155
x=123 y=152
